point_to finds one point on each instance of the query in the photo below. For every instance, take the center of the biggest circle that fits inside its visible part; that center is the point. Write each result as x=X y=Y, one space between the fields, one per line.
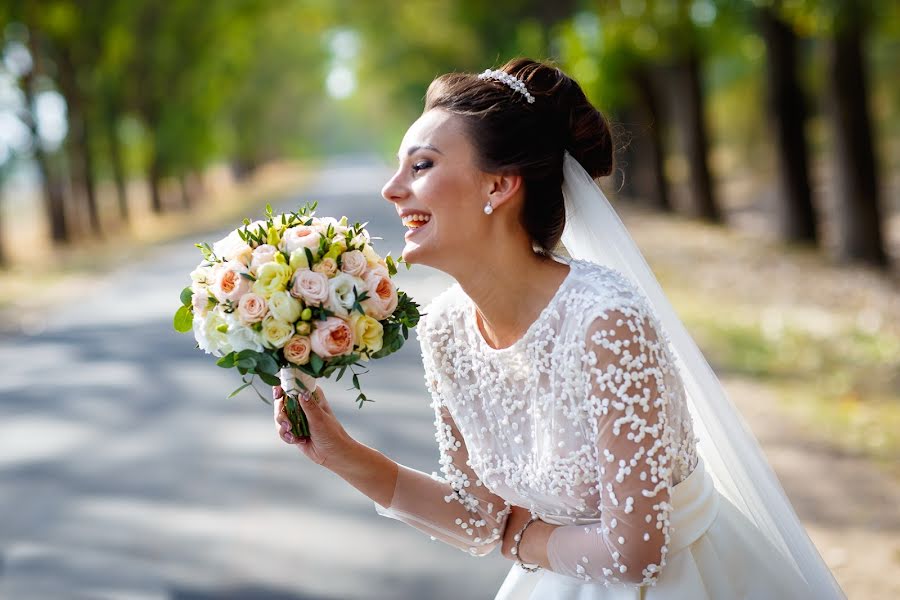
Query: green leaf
x=238 y=390
x=266 y=364
x=248 y=276
x=246 y=363
x=316 y=362
x=184 y=319
x=227 y=361
x=269 y=378
x=186 y=295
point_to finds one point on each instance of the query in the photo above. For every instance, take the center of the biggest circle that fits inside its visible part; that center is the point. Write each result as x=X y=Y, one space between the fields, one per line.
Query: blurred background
x=757 y=168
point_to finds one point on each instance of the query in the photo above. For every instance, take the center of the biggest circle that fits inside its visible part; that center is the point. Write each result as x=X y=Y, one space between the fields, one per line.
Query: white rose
x=200 y=302
x=284 y=307
x=232 y=247
x=241 y=337
x=209 y=338
x=341 y=295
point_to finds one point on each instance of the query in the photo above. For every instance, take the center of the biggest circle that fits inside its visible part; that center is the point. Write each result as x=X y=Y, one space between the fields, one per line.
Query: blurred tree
x=844 y=25
x=787 y=107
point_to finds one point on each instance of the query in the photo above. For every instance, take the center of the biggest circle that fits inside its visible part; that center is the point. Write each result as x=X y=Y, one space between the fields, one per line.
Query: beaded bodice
x=584 y=416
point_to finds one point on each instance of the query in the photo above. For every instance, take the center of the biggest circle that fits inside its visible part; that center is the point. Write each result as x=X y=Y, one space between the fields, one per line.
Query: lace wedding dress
x=583 y=421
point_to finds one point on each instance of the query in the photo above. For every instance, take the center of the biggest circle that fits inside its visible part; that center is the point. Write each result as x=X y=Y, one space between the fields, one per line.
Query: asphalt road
x=125 y=473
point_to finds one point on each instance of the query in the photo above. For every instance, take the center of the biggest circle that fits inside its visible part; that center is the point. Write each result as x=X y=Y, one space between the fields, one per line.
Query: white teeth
x=408 y=219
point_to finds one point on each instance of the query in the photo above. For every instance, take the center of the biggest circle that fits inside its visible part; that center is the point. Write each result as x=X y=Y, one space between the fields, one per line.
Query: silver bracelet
x=518 y=540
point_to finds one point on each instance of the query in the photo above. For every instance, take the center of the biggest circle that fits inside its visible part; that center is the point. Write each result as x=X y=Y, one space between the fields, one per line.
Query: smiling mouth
x=416 y=221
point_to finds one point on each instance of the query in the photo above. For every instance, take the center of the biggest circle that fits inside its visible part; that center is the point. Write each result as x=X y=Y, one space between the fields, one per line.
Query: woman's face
x=438 y=178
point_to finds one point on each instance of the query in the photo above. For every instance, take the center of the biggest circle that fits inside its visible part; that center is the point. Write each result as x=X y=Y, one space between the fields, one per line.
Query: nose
x=394 y=190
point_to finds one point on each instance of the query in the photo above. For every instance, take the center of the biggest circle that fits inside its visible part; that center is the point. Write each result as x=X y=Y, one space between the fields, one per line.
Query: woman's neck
x=510 y=291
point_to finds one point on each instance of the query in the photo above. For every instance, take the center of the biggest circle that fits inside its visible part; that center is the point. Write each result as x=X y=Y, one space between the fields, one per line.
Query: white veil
x=594 y=232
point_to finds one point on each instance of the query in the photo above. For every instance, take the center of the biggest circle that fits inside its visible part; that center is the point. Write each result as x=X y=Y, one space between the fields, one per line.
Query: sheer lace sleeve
x=456 y=508
x=626 y=403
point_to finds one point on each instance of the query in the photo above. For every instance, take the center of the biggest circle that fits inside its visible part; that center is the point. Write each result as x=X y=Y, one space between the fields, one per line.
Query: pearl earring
x=488 y=209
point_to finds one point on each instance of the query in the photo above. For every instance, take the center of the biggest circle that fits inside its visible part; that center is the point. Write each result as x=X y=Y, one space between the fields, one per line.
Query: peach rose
x=297 y=350
x=382 y=298
x=261 y=255
x=332 y=337
x=228 y=283
x=251 y=308
x=354 y=263
x=327 y=266
x=312 y=287
x=299 y=237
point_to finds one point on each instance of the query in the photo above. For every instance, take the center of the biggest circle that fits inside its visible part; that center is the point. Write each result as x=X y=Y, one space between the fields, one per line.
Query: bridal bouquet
x=292 y=298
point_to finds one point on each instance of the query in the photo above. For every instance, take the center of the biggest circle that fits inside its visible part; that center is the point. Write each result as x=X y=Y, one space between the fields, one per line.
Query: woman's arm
x=456 y=509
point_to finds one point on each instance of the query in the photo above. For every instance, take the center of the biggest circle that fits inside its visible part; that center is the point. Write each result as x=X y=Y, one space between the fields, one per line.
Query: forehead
x=438 y=128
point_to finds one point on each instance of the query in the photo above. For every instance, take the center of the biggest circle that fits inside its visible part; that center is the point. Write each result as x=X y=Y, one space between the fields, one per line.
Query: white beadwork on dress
x=583 y=421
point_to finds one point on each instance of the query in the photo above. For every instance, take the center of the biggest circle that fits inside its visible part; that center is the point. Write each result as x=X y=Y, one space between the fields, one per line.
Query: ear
x=503 y=187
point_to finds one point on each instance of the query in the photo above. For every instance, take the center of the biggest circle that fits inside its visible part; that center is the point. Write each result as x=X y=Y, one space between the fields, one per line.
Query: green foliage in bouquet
x=267 y=363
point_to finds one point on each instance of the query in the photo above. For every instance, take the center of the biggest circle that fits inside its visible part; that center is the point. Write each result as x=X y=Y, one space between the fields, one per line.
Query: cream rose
x=252 y=308
x=327 y=266
x=272 y=277
x=228 y=283
x=262 y=254
x=284 y=307
x=276 y=333
x=232 y=247
x=201 y=278
x=382 y=298
x=341 y=295
x=368 y=333
x=312 y=287
x=299 y=237
x=332 y=337
x=297 y=350
x=371 y=256
x=354 y=263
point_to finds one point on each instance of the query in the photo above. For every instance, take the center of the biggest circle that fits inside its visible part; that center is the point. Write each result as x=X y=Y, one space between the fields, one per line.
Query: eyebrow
x=412 y=149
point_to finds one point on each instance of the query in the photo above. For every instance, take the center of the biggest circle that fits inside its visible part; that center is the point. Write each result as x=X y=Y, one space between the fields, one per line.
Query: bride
x=580 y=429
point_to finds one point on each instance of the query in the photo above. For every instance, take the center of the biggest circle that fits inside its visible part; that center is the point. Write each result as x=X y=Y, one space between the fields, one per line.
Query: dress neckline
x=471 y=317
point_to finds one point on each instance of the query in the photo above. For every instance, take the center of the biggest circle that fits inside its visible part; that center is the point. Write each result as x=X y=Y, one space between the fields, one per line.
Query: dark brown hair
x=512 y=135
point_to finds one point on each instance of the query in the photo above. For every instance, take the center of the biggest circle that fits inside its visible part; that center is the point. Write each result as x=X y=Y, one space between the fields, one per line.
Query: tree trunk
x=787 y=106
x=688 y=117
x=154 y=178
x=54 y=200
x=4 y=260
x=187 y=199
x=115 y=159
x=79 y=144
x=856 y=180
x=648 y=173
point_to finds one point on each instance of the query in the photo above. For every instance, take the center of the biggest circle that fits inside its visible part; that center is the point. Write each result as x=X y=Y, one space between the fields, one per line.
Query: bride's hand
x=327 y=435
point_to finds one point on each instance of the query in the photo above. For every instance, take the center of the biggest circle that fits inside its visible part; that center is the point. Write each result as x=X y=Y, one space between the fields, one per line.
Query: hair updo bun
x=529 y=139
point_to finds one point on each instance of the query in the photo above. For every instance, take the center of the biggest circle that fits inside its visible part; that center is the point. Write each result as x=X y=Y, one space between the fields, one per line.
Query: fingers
x=277 y=392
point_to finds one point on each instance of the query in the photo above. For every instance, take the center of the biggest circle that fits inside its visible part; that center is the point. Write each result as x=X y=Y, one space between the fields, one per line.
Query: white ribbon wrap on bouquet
x=289 y=375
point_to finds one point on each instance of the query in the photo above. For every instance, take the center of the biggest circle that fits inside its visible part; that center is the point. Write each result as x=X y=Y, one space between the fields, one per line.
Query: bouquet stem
x=294 y=382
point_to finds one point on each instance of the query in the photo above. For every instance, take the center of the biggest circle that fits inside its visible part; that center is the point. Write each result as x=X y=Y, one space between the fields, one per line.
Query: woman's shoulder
x=600 y=293
x=605 y=286
x=441 y=309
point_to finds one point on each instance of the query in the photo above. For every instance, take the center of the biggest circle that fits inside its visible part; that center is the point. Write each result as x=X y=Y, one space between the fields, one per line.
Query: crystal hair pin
x=504 y=77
